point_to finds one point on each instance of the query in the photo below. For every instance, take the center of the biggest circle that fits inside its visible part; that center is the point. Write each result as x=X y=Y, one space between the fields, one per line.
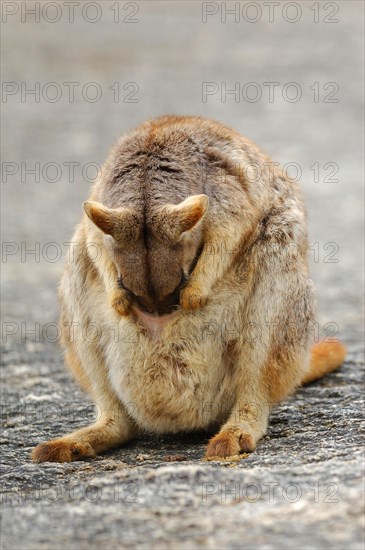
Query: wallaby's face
x=154 y=255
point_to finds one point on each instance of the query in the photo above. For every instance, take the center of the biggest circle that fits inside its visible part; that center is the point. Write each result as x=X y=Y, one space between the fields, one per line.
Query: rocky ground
x=303 y=487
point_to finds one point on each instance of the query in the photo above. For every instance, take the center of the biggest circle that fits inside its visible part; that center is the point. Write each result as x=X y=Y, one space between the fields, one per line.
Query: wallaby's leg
x=113 y=427
x=266 y=373
x=111 y=430
x=246 y=425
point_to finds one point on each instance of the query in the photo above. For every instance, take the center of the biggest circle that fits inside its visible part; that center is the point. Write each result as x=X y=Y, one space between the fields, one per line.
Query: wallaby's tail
x=325 y=357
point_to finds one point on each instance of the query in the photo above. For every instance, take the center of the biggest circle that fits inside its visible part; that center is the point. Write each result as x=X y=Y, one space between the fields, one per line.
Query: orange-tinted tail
x=325 y=358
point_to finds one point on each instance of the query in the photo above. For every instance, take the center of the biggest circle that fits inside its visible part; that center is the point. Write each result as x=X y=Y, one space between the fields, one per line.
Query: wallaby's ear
x=120 y=223
x=175 y=219
x=101 y=216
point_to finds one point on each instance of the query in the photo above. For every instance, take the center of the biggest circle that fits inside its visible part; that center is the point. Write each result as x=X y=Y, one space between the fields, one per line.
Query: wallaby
x=187 y=302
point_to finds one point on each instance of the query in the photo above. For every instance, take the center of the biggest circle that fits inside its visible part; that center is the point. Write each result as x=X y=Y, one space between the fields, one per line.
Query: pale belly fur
x=169 y=374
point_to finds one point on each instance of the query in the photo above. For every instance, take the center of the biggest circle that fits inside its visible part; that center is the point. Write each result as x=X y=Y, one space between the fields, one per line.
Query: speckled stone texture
x=303 y=487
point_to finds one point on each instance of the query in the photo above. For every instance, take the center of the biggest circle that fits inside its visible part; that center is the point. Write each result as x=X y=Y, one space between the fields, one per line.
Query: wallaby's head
x=154 y=252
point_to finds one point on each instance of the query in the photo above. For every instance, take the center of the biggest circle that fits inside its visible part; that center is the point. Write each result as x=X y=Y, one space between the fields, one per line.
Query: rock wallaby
x=187 y=302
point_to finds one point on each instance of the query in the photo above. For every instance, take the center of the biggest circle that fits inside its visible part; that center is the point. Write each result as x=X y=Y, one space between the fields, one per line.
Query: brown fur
x=229 y=443
x=61 y=451
x=202 y=268
x=325 y=358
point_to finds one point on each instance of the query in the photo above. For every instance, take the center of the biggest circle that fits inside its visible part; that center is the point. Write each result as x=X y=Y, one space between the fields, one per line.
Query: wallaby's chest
x=171 y=378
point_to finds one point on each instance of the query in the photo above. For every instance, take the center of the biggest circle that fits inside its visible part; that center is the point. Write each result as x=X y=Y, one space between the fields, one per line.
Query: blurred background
x=75 y=77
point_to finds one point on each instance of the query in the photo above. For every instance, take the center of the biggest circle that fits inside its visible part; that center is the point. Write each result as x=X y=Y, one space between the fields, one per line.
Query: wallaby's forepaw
x=193 y=297
x=120 y=302
x=60 y=450
x=230 y=443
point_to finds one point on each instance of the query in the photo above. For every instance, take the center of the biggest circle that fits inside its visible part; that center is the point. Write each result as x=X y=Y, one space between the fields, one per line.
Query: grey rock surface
x=303 y=487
